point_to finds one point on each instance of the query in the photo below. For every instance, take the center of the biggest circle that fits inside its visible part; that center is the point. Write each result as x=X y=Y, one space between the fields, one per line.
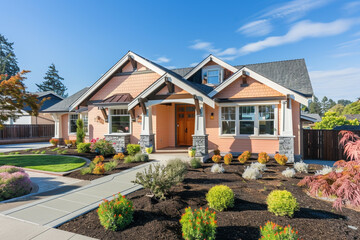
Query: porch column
x=286 y=138
x=147 y=137
x=58 y=127
x=200 y=138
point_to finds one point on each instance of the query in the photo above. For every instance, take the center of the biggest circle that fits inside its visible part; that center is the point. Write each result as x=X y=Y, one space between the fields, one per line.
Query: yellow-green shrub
x=281 y=159
x=228 y=158
x=216 y=158
x=263 y=158
x=282 y=203
x=220 y=197
x=244 y=157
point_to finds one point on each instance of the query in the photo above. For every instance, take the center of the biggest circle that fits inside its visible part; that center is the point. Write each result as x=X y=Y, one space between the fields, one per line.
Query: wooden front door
x=185 y=124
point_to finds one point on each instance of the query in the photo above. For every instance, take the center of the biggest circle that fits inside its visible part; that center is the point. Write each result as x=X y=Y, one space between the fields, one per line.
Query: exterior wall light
x=212 y=116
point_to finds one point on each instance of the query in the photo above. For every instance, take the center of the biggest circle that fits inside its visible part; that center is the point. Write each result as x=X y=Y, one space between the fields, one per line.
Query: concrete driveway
x=23 y=146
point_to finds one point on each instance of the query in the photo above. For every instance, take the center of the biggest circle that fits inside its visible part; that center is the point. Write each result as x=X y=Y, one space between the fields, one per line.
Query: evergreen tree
x=8 y=60
x=53 y=82
x=315 y=106
x=344 y=102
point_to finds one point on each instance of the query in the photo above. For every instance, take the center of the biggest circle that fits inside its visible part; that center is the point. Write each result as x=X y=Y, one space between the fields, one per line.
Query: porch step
x=172 y=150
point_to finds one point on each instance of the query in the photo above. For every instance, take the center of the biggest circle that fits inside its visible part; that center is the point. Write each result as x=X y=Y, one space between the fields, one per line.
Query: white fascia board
x=208 y=59
x=112 y=70
x=308 y=118
x=297 y=97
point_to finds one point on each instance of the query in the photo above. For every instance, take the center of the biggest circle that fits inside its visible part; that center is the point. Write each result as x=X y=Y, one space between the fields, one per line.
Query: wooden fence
x=25 y=131
x=322 y=144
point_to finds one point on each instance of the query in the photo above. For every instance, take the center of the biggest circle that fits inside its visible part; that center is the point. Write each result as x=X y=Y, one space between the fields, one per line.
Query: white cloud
x=300 y=31
x=348 y=44
x=345 y=54
x=194 y=64
x=336 y=84
x=206 y=46
x=162 y=60
x=256 y=28
x=352 y=7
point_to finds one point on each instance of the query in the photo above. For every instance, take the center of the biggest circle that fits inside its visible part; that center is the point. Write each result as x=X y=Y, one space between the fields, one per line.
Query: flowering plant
x=198 y=224
x=99 y=169
x=116 y=214
x=244 y=157
x=14 y=182
x=228 y=158
x=102 y=146
x=263 y=158
x=281 y=159
x=98 y=159
x=54 y=141
x=216 y=158
x=272 y=231
x=119 y=156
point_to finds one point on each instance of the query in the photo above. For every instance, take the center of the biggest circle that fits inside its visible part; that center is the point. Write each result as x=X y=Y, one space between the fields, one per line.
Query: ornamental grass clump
x=216 y=158
x=251 y=173
x=116 y=214
x=228 y=158
x=220 y=198
x=111 y=165
x=198 y=224
x=119 y=156
x=195 y=163
x=281 y=159
x=263 y=158
x=98 y=159
x=325 y=170
x=282 y=203
x=259 y=166
x=244 y=157
x=289 y=173
x=301 y=167
x=217 y=168
x=14 y=182
x=272 y=231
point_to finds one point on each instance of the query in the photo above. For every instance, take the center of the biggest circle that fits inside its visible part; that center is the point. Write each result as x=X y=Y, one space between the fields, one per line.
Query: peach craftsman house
x=213 y=105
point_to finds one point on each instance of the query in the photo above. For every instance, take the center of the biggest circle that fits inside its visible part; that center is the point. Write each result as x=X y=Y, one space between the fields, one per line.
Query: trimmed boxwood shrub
x=83 y=147
x=220 y=197
x=282 y=203
x=133 y=149
x=14 y=182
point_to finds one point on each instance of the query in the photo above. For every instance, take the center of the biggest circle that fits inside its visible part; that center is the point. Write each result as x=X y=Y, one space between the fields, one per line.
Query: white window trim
x=80 y=116
x=256 y=134
x=110 y=121
x=213 y=68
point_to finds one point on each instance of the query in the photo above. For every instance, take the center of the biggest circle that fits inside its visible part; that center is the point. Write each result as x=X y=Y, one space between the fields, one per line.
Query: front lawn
x=53 y=163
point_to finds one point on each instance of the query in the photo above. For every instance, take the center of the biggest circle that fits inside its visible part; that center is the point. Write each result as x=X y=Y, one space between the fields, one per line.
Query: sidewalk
x=52 y=212
x=23 y=146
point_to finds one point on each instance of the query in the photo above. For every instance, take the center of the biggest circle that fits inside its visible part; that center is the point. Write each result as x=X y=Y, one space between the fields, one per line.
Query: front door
x=185 y=124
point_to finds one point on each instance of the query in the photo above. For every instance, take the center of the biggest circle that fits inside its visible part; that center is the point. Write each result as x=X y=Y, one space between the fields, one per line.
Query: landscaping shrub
x=80 y=133
x=67 y=142
x=54 y=142
x=99 y=169
x=282 y=203
x=301 y=167
x=198 y=224
x=216 y=158
x=289 y=173
x=116 y=214
x=263 y=158
x=141 y=157
x=220 y=197
x=98 y=159
x=195 y=163
x=259 y=166
x=158 y=179
x=324 y=171
x=244 y=157
x=216 y=152
x=88 y=169
x=272 y=231
x=83 y=147
x=109 y=166
x=281 y=159
x=102 y=147
x=217 y=168
x=14 y=182
x=228 y=158
x=129 y=159
x=132 y=149
x=119 y=156
x=251 y=173
x=73 y=143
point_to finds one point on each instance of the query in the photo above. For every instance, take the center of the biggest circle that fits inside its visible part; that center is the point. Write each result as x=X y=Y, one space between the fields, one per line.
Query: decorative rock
x=286 y=147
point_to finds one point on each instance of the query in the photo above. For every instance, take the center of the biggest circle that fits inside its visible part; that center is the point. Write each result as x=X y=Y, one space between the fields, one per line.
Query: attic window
x=212 y=75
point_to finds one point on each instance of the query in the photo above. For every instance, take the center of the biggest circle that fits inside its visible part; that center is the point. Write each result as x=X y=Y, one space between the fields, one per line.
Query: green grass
x=43 y=162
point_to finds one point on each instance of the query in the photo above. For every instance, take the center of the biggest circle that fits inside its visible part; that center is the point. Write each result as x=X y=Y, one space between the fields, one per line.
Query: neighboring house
x=308 y=120
x=42 y=118
x=253 y=107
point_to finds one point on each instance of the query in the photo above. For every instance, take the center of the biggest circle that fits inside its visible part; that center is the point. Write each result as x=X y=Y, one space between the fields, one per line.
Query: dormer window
x=212 y=75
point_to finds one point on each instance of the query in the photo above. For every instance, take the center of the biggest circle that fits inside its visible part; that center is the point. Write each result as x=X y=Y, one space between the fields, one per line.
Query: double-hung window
x=85 y=119
x=266 y=120
x=228 y=120
x=72 y=122
x=119 y=121
x=247 y=120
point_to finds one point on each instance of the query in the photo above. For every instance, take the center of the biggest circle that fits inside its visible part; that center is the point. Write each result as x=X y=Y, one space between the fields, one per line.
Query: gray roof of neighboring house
x=352 y=116
x=291 y=74
x=314 y=116
x=42 y=94
x=64 y=105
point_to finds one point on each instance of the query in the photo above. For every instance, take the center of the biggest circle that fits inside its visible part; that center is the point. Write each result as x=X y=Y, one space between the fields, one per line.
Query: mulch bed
x=160 y=219
x=76 y=174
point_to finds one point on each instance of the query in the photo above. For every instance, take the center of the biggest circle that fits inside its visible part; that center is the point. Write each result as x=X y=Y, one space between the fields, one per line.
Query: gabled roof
x=313 y=117
x=116 y=99
x=45 y=93
x=64 y=105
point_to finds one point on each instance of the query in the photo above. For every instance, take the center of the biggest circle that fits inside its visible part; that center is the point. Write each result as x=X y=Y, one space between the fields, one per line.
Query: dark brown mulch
x=160 y=219
x=76 y=174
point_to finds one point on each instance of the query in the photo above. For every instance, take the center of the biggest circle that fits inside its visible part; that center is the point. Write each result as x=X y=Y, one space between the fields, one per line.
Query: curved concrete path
x=52 y=212
x=23 y=146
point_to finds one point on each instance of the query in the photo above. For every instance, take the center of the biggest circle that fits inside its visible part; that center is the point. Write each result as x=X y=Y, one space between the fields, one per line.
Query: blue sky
x=85 y=38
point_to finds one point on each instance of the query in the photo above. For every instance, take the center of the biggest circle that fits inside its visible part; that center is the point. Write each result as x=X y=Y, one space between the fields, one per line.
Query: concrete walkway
x=52 y=212
x=23 y=146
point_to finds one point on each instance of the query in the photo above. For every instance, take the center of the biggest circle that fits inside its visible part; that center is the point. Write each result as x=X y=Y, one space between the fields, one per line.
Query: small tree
x=80 y=133
x=53 y=82
x=353 y=108
x=8 y=60
x=332 y=119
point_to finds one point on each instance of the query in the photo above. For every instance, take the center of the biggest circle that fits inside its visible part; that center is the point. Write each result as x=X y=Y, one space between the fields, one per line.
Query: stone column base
x=147 y=140
x=121 y=141
x=286 y=147
x=200 y=142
